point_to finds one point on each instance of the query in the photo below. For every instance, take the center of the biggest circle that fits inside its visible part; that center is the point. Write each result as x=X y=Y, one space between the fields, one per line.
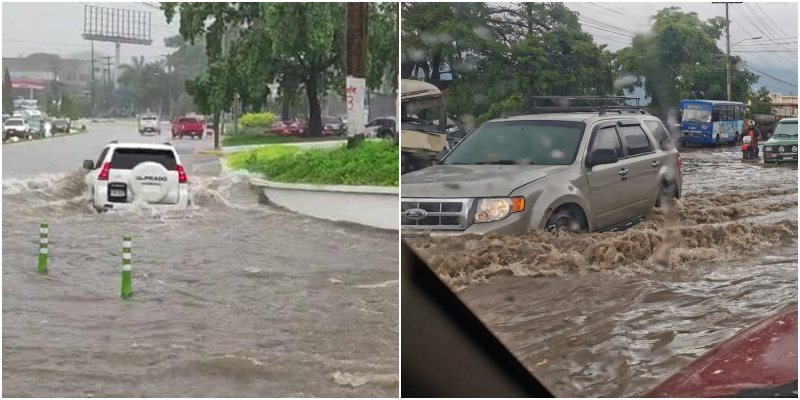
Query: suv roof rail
x=599 y=104
x=167 y=143
x=113 y=142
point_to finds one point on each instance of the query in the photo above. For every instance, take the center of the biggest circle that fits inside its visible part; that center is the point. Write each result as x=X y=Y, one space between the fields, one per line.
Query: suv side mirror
x=88 y=164
x=602 y=156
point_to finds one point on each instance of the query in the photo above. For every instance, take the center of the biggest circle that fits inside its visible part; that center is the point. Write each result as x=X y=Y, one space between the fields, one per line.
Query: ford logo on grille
x=415 y=214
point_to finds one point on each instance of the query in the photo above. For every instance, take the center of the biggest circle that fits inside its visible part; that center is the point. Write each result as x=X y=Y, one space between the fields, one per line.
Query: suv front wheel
x=566 y=219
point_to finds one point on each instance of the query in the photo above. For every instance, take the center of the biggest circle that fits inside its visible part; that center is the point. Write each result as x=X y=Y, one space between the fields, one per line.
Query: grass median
x=372 y=163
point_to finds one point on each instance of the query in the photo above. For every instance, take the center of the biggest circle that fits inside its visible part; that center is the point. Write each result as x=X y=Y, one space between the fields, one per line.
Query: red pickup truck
x=187 y=126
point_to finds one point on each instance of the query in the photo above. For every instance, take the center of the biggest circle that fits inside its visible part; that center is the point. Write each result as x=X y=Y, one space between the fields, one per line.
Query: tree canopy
x=299 y=46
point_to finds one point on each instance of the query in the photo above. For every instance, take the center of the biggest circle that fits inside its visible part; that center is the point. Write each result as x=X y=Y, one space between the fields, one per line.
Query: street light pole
x=728 y=37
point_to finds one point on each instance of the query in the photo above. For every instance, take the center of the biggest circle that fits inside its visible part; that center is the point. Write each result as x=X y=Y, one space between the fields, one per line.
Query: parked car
x=782 y=146
x=15 y=127
x=149 y=123
x=187 y=126
x=59 y=126
x=333 y=126
x=382 y=127
x=287 y=128
x=579 y=171
x=127 y=173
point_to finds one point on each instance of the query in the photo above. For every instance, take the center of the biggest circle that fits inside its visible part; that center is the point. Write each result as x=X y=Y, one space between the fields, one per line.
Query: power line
x=770 y=76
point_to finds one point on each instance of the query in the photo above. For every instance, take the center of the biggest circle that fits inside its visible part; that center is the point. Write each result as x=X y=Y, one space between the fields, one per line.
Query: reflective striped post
x=127 y=290
x=43 y=231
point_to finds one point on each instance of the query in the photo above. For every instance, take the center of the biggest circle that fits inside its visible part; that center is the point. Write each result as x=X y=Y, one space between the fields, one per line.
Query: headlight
x=490 y=210
x=768 y=148
x=794 y=149
x=781 y=149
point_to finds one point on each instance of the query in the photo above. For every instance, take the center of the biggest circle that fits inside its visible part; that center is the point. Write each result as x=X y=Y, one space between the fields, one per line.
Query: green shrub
x=371 y=163
x=257 y=120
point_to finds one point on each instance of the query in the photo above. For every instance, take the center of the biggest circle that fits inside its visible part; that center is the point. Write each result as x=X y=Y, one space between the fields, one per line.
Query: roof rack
x=603 y=105
x=113 y=142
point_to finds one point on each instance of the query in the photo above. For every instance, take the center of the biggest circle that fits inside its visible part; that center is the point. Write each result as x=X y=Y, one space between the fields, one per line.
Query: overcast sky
x=776 y=20
x=56 y=28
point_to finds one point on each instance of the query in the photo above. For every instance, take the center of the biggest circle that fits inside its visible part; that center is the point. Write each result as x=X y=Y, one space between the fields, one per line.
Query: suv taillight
x=680 y=165
x=181 y=174
x=104 y=172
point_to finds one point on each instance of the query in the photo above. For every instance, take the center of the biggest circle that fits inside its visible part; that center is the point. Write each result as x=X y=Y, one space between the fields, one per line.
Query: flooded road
x=232 y=298
x=594 y=315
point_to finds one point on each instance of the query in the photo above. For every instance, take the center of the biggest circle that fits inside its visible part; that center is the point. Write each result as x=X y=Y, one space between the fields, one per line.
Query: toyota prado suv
x=581 y=171
x=130 y=173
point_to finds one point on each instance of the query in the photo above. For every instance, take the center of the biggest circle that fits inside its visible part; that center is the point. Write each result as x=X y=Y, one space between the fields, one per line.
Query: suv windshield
x=187 y=121
x=520 y=142
x=130 y=158
x=786 y=129
x=13 y=122
x=422 y=115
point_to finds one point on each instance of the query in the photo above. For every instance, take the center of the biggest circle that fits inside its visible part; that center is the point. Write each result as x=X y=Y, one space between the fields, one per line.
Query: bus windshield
x=696 y=115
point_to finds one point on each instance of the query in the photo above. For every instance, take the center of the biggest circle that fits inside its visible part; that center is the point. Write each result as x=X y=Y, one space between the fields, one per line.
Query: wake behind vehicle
x=582 y=171
x=782 y=146
x=711 y=122
x=422 y=139
x=149 y=123
x=128 y=174
x=188 y=126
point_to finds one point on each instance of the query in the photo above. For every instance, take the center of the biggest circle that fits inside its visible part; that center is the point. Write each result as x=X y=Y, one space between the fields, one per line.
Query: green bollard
x=43 y=243
x=127 y=290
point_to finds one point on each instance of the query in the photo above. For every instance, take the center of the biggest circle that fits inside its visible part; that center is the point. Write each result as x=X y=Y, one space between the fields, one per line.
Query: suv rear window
x=130 y=158
x=13 y=122
x=187 y=121
x=149 y=118
x=635 y=140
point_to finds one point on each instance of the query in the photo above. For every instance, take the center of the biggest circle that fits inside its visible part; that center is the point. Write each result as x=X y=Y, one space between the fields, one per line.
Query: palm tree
x=132 y=78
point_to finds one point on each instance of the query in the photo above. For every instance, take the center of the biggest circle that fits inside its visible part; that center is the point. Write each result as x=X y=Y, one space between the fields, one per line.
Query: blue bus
x=711 y=122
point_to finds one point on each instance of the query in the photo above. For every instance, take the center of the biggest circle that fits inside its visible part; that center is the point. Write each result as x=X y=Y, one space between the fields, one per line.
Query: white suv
x=127 y=174
x=149 y=123
x=17 y=127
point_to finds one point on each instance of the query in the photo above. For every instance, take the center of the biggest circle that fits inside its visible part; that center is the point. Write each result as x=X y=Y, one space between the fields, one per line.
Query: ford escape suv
x=581 y=171
x=130 y=173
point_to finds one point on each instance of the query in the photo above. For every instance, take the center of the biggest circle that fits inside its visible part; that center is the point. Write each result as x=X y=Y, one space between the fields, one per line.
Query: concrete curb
x=384 y=190
x=374 y=206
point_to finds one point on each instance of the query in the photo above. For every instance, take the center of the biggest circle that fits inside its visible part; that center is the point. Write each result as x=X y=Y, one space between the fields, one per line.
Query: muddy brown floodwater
x=232 y=298
x=594 y=315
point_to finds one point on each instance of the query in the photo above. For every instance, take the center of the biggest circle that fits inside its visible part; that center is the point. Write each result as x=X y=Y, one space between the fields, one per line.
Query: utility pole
x=728 y=42
x=356 y=48
x=92 y=88
x=107 y=77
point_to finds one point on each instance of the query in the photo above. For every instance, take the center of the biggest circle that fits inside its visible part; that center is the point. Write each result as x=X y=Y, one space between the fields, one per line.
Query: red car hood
x=760 y=357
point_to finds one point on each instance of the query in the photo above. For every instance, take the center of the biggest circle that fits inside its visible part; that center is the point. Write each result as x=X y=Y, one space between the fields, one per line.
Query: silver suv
x=581 y=171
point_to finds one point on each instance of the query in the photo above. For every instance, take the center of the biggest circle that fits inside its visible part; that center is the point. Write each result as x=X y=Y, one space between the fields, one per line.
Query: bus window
x=696 y=115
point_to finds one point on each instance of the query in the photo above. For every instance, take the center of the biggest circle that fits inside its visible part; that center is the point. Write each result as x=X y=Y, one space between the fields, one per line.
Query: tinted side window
x=607 y=138
x=636 y=142
x=130 y=158
x=102 y=157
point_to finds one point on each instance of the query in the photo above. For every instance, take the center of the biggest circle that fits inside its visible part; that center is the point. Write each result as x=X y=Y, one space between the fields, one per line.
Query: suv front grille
x=435 y=214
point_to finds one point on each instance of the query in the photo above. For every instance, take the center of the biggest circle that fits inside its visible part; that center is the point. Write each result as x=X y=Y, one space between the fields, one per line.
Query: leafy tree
x=493 y=58
x=680 y=59
x=382 y=45
x=8 y=93
x=760 y=102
